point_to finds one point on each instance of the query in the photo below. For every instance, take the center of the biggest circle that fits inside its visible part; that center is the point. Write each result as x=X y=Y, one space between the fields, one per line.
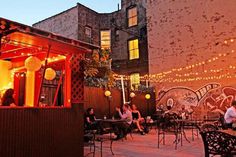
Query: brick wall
x=65 y=23
x=71 y=23
x=186 y=42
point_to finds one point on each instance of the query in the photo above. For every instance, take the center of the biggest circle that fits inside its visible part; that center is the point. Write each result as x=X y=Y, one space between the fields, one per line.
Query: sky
x=31 y=11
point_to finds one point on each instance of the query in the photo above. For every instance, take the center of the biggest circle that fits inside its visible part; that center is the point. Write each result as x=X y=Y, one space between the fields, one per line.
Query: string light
x=187 y=76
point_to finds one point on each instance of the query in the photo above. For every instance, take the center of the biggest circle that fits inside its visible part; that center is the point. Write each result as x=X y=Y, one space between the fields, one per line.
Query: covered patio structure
x=40 y=66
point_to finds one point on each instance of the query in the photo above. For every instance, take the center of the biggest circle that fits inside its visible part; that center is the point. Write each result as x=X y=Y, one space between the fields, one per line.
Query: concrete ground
x=146 y=146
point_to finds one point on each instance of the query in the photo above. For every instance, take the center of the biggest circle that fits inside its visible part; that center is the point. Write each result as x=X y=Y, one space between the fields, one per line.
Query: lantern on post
x=32 y=64
x=147 y=97
x=108 y=95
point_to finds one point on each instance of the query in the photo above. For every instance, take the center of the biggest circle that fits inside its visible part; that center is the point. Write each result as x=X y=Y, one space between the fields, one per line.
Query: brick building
x=123 y=31
x=192 y=47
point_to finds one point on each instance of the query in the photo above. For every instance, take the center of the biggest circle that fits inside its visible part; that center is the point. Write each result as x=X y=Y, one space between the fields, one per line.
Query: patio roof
x=17 y=38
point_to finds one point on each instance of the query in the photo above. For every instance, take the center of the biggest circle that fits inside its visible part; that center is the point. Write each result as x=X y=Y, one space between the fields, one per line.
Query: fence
x=94 y=97
x=41 y=132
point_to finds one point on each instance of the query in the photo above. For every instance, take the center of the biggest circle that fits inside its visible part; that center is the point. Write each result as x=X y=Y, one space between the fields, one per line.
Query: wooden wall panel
x=41 y=132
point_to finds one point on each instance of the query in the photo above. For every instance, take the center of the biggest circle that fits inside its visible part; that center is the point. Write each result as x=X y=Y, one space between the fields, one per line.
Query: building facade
x=192 y=55
x=124 y=32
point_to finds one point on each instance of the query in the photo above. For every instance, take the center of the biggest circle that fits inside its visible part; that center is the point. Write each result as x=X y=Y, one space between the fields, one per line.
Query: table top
x=111 y=120
x=229 y=131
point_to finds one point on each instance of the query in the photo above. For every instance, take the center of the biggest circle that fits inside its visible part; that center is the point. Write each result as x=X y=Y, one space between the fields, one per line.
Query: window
x=88 y=32
x=105 y=39
x=133 y=49
x=132 y=17
x=134 y=81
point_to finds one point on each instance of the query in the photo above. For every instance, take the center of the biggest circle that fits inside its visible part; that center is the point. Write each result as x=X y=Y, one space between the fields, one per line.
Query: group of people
x=130 y=114
x=8 y=98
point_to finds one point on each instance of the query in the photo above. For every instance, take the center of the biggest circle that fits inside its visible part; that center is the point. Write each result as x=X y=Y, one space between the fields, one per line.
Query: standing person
x=230 y=115
x=124 y=126
x=8 y=98
x=137 y=119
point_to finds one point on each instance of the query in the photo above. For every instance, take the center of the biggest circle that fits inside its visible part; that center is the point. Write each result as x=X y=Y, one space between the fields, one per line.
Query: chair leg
x=163 y=138
x=101 y=148
x=111 y=147
x=176 y=141
x=192 y=133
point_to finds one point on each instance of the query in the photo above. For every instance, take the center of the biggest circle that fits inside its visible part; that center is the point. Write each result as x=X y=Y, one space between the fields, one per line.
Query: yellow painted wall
x=5 y=73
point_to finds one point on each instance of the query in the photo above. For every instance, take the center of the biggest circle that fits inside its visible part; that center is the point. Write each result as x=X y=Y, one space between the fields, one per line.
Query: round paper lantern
x=32 y=63
x=132 y=94
x=147 y=96
x=50 y=74
x=107 y=93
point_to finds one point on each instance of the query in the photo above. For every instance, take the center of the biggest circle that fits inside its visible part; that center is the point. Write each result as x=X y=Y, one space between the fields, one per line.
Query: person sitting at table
x=8 y=98
x=90 y=119
x=137 y=119
x=230 y=115
x=123 y=128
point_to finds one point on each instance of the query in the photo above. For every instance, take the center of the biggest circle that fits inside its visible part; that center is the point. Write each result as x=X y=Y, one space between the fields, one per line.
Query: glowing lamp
x=147 y=96
x=132 y=94
x=50 y=74
x=32 y=63
x=107 y=93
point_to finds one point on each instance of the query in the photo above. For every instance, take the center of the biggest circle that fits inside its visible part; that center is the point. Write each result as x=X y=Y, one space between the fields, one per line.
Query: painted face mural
x=179 y=96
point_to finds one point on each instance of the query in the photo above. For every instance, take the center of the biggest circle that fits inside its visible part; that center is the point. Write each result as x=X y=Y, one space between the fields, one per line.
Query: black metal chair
x=89 y=141
x=218 y=143
x=169 y=126
x=207 y=127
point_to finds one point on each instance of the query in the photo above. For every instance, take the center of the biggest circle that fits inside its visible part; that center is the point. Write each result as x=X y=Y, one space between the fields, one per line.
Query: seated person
x=8 y=98
x=90 y=119
x=230 y=115
x=137 y=119
x=122 y=128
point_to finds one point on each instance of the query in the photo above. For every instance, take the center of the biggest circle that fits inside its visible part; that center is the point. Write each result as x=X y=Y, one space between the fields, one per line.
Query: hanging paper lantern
x=50 y=74
x=107 y=93
x=147 y=96
x=32 y=63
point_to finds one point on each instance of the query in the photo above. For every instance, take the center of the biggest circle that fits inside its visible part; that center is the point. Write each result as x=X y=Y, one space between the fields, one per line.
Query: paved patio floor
x=146 y=146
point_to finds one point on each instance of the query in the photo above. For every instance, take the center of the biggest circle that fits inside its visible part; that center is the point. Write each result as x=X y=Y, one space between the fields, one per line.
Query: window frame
x=128 y=18
x=131 y=85
x=88 y=27
x=128 y=48
x=103 y=30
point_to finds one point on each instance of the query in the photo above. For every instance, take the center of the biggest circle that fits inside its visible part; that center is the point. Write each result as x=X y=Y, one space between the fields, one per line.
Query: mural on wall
x=219 y=100
x=212 y=97
x=179 y=96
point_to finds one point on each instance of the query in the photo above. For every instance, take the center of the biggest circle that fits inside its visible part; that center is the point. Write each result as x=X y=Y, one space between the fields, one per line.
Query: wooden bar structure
x=31 y=130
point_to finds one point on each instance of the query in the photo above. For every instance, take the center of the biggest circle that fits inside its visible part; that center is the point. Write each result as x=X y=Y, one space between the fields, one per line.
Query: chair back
x=218 y=143
x=208 y=127
x=169 y=122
